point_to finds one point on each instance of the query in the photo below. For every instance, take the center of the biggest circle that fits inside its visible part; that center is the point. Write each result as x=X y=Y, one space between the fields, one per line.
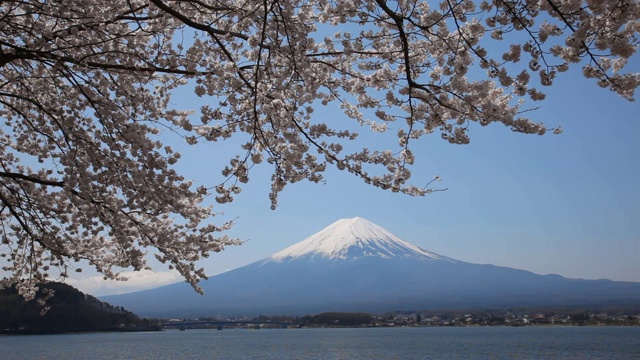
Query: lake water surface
x=368 y=343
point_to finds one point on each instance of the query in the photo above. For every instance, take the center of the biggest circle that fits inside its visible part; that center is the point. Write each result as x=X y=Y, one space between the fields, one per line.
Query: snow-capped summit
x=350 y=239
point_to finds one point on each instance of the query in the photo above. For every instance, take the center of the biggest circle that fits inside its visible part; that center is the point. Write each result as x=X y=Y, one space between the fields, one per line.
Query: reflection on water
x=372 y=343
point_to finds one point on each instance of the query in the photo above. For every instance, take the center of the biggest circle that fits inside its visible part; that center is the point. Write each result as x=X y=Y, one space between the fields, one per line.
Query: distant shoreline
x=63 y=332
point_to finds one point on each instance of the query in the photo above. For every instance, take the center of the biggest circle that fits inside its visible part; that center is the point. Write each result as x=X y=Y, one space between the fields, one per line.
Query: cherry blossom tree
x=86 y=172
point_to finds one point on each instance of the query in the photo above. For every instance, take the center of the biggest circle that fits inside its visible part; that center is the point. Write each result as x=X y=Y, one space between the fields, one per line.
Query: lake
x=362 y=343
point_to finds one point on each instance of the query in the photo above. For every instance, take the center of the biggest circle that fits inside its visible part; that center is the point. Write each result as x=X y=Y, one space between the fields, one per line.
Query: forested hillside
x=69 y=311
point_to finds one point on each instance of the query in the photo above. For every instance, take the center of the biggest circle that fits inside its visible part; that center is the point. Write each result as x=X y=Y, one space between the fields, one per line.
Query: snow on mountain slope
x=350 y=239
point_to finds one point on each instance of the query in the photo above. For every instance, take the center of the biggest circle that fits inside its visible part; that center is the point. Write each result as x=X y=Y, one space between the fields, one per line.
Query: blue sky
x=567 y=204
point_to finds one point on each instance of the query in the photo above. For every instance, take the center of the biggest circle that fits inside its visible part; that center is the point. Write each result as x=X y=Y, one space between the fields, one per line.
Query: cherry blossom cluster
x=83 y=177
x=86 y=86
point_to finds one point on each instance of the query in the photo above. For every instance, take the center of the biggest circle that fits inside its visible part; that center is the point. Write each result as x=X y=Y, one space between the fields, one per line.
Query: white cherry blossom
x=86 y=86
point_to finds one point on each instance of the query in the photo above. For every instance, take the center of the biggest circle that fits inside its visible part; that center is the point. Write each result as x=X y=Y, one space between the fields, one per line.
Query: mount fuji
x=355 y=265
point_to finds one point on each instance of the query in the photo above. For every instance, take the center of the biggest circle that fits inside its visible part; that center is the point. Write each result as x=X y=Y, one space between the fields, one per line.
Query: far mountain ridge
x=355 y=265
